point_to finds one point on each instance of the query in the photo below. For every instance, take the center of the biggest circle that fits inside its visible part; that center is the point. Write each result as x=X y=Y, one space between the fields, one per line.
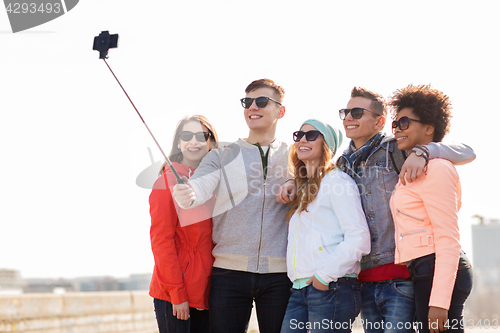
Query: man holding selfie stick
x=249 y=227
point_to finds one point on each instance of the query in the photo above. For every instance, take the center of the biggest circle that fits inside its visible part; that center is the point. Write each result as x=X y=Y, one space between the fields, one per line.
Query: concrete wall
x=87 y=312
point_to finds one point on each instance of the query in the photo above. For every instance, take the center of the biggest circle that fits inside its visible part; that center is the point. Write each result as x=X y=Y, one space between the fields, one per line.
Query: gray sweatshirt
x=249 y=227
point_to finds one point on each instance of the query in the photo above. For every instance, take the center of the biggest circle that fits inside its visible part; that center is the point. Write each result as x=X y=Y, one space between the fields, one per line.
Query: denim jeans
x=232 y=294
x=198 y=321
x=332 y=310
x=422 y=272
x=387 y=307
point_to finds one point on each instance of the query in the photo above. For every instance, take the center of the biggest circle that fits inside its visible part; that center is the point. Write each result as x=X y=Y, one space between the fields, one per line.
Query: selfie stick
x=103 y=43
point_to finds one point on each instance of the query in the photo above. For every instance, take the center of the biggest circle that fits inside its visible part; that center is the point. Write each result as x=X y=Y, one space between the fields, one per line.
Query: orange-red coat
x=182 y=254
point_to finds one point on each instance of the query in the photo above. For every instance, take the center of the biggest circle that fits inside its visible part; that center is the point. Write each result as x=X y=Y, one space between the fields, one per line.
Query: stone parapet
x=85 y=312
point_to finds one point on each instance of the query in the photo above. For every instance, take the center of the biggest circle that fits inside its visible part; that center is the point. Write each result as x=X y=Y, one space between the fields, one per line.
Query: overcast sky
x=72 y=145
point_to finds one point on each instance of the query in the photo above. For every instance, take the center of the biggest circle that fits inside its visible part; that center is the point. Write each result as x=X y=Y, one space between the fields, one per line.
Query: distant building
x=136 y=282
x=40 y=285
x=486 y=254
x=107 y=283
x=97 y=283
x=10 y=281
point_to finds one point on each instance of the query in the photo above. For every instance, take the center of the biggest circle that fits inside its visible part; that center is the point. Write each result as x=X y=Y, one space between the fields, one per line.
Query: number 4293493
x=24 y=8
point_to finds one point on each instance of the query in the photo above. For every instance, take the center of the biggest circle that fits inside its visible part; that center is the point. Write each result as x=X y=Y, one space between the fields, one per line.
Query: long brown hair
x=175 y=152
x=308 y=188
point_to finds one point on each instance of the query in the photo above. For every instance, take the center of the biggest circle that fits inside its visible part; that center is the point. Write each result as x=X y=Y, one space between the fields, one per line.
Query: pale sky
x=72 y=145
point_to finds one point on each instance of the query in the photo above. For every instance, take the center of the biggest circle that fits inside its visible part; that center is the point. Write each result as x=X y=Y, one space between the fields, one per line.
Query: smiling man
x=373 y=160
x=249 y=227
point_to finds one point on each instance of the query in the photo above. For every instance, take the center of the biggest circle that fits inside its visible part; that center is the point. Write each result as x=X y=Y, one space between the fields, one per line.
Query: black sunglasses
x=261 y=102
x=200 y=136
x=356 y=113
x=403 y=123
x=310 y=135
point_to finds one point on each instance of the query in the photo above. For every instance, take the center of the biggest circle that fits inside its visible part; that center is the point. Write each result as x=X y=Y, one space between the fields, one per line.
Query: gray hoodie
x=249 y=227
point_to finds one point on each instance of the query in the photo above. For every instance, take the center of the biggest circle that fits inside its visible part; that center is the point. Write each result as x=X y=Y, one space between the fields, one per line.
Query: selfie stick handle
x=179 y=179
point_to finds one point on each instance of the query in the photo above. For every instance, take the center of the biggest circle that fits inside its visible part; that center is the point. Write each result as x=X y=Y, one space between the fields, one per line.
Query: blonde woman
x=327 y=236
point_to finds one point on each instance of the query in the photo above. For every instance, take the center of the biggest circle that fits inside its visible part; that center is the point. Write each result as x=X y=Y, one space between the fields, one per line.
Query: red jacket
x=182 y=254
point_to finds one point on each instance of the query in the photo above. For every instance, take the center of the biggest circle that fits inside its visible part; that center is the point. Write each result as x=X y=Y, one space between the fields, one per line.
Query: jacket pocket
x=185 y=270
x=416 y=240
x=409 y=215
x=319 y=253
x=402 y=235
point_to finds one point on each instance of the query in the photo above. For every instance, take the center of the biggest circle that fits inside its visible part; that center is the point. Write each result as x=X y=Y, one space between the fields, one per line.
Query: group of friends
x=311 y=241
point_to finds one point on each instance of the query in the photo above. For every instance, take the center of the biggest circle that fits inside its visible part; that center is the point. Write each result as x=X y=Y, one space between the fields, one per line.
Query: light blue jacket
x=329 y=238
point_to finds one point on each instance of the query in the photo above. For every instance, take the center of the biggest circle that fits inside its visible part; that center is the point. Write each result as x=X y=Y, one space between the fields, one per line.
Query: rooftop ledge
x=96 y=312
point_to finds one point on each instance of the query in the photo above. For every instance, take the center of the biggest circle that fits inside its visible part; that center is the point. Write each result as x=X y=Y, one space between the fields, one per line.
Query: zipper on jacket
x=297 y=236
x=264 y=176
x=413 y=217
x=410 y=233
x=295 y=248
x=185 y=270
x=261 y=226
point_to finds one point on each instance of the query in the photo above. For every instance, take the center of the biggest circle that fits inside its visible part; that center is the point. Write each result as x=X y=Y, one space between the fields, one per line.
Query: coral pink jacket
x=426 y=221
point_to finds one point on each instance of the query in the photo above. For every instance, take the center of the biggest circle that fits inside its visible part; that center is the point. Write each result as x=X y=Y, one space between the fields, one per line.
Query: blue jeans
x=388 y=307
x=422 y=272
x=232 y=294
x=167 y=323
x=332 y=310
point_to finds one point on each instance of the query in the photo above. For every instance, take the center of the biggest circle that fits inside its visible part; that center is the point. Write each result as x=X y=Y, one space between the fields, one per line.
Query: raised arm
x=201 y=185
x=456 y=153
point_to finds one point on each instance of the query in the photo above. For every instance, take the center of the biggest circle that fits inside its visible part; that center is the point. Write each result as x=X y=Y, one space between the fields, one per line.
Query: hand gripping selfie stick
x=103 y=43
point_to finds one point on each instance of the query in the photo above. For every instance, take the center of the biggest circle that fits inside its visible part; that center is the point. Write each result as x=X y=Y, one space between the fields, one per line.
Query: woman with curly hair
x=425 y=214
x=327 y=236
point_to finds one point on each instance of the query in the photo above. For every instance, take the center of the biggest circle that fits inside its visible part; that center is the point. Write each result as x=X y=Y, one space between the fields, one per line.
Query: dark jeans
x=388 y=307
x=422 y=272
x=198 y=321
x=232 y=295
x=333 y=310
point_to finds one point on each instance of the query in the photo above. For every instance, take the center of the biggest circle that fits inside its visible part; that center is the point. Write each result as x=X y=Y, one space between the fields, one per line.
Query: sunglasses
x=261 y=102
x=356 y=113
x=403 y=123
x=310 y=135
x=200 y=136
